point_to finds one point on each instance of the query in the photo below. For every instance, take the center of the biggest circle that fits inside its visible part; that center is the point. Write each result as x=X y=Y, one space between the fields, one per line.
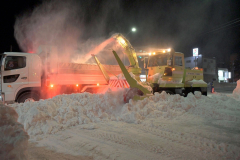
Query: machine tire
x=131 y=93
x=197 y=89
x=28 y=96
x=204 y=93
x=169 y=92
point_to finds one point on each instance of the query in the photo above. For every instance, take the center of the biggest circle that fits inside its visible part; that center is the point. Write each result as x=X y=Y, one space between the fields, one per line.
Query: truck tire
x=28 y=96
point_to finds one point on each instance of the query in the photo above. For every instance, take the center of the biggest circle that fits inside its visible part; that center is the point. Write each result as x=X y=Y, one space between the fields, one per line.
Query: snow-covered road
x=119 y=140
x=101 y=126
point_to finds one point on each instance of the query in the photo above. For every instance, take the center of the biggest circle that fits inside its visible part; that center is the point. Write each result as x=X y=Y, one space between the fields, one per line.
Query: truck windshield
x=15 y=62
x=158 y=60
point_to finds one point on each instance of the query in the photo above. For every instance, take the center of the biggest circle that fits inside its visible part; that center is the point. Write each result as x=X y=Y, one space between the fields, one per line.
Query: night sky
x=211 y=25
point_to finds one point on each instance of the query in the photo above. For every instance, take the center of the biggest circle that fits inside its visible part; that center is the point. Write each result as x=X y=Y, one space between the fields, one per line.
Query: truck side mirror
x=169 y=62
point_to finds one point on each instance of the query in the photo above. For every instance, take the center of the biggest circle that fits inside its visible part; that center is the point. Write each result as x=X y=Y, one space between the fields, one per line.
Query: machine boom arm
x=131 y=54
x=132 y=82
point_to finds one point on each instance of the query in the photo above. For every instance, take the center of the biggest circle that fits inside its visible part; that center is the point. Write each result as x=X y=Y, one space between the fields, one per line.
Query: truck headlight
x=2 y=98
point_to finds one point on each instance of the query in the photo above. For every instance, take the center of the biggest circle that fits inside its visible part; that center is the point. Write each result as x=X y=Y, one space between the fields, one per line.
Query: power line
x=225 y=25
x=230 y=21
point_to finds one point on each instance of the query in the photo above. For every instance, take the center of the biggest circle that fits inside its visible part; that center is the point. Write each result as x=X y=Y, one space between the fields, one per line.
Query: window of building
x=14 y=62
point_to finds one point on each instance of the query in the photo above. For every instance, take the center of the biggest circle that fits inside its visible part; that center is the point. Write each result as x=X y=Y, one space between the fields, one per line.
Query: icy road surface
x=101 y=126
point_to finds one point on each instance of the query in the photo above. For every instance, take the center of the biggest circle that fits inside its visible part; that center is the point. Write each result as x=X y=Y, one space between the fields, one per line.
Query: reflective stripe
x=198 y=74
x=177 y=72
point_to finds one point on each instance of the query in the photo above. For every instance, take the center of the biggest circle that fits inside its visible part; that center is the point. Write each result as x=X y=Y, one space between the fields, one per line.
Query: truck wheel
x=28 y=96
x=169 y=92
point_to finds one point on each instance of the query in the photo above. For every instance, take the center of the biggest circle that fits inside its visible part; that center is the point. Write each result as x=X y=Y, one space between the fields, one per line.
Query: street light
x=132 y=30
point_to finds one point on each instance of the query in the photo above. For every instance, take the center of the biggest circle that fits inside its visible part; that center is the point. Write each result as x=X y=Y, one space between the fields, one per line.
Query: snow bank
x=13 y=138
x=51 y=115
x=236 y=91
x=93 y=111
x=63 y=111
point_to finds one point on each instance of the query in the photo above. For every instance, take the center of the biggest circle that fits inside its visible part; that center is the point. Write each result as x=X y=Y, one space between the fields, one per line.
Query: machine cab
x=167 y=65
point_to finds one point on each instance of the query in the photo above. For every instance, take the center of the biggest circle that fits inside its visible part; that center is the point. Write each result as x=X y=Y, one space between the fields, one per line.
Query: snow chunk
x=236 y=91
x=13 y=138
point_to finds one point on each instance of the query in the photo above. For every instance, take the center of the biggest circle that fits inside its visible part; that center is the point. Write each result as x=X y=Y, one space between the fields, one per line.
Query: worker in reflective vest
x=212 y=87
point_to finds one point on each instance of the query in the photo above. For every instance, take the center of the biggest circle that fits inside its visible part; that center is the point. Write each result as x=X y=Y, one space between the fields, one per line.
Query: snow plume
x=95 y=49
x=13 y=138
x=66 y=28
x=53 y=23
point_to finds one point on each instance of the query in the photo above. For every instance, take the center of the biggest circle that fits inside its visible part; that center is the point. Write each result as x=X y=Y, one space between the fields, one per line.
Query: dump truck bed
x=73 y=73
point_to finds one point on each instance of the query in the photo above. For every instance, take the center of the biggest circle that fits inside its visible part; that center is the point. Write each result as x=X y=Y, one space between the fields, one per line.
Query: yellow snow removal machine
x=165 y=71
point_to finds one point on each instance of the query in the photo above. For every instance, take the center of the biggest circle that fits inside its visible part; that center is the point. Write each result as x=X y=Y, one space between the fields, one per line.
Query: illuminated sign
x=195 y=51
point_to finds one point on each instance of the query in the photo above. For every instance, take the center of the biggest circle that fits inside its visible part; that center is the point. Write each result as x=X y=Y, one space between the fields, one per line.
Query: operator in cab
x=10 y=65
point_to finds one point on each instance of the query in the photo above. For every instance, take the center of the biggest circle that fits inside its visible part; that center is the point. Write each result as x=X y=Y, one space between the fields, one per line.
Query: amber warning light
x=51 y=85
x=97 y=84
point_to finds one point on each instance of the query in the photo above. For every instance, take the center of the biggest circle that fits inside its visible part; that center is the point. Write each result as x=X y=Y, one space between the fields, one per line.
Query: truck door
x=178 y=61
x=14 y=75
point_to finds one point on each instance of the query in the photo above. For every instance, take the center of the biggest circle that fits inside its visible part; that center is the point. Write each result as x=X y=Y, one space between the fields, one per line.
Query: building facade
x=207 y=64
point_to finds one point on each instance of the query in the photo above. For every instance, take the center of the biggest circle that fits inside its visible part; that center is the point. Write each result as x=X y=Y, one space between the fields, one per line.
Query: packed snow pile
x=156 y=78
x=63 y=111
x=13 y=138
x=194 y=81
x=236 y=91
x=51 y=115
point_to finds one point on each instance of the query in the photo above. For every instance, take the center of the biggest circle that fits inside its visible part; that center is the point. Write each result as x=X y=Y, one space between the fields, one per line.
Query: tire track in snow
x=156 y=150
x=194 y=141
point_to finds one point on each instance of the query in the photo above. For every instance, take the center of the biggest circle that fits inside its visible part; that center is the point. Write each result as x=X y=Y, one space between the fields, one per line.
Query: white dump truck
x=30 y=77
